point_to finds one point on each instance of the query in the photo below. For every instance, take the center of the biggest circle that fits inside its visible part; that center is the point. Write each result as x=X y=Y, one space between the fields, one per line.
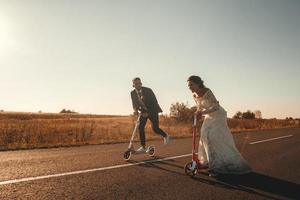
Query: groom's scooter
x=192 y=167
x=130 y=151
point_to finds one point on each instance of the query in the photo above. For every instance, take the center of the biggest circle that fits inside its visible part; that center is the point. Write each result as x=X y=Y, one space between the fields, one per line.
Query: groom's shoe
x=167 y=139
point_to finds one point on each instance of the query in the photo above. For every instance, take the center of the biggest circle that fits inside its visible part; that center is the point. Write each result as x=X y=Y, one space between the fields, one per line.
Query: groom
x=144 y=100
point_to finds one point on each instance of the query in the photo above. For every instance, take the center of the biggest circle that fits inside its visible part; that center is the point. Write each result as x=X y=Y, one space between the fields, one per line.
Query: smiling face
x=137 y=84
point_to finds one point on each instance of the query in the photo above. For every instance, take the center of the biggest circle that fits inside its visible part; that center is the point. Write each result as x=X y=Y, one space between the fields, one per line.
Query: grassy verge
x=29 y=130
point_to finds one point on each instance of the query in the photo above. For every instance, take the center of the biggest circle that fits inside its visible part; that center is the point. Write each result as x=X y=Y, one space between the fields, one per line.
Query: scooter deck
x=134 y=152
x=138 y=152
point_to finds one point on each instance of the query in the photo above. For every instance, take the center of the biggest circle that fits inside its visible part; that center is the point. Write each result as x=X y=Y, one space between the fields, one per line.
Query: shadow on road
x=256 y=181
x=253 y=182
x=156 y=165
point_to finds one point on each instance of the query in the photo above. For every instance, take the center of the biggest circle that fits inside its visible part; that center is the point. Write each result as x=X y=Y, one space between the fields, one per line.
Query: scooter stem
x=134 y=131
x=194 y=134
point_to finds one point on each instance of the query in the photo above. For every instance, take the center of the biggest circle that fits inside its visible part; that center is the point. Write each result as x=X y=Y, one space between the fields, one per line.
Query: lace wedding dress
x=217 y=149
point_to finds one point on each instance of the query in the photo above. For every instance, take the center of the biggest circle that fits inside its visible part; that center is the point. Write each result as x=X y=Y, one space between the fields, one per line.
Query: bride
x=217 y=150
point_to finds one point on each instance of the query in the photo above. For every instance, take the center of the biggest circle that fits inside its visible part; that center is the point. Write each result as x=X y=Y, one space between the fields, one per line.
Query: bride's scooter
x=131 y=151
x=191 y=168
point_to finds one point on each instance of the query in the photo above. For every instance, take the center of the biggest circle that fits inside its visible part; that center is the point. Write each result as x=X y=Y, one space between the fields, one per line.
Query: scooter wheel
x=127 y=155
x=189 y=171
x=151 y=151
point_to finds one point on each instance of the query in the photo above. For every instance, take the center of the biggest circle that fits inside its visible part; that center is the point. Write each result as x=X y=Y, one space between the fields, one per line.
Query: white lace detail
x=208 y=103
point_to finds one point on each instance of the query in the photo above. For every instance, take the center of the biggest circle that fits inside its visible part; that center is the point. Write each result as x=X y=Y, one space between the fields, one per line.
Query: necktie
x=140 y=95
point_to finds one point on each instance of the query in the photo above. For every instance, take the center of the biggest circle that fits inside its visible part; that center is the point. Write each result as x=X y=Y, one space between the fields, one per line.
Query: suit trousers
x=153 y=117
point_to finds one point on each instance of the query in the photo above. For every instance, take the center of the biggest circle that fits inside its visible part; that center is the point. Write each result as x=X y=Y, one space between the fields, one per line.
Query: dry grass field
x=33 y=130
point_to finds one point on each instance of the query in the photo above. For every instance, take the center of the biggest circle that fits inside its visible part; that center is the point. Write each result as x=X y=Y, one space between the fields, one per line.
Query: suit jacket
x=149 y=100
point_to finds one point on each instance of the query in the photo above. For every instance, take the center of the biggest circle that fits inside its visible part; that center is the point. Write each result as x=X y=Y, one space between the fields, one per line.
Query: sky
x=82 y=55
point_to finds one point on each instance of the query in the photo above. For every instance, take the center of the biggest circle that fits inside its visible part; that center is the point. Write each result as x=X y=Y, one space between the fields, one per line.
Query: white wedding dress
x=217 y=149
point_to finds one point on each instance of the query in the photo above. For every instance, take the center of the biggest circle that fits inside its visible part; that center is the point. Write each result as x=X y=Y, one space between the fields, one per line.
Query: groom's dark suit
x=145 y=101
x=148 y=98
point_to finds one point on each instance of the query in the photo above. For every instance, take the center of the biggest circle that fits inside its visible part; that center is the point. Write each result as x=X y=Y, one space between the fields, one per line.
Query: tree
x=181 y=111
x=66 y=111
x=245 y=115
x=238 y=115
x=248 y=115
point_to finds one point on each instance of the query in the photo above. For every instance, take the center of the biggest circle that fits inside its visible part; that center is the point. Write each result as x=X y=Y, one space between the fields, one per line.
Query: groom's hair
x=197 y=80
x=136 y=79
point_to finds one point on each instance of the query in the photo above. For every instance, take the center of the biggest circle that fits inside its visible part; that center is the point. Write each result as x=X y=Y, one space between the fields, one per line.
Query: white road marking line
x=277 y=138
x=88 y=170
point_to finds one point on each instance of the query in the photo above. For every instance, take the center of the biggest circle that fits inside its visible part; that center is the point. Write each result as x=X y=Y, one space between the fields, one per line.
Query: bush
x=181 y=111
x=245 y=115
x=66 y=111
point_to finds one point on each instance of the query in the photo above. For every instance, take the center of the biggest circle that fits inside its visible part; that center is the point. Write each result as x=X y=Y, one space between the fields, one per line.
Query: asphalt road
x=99 y=171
